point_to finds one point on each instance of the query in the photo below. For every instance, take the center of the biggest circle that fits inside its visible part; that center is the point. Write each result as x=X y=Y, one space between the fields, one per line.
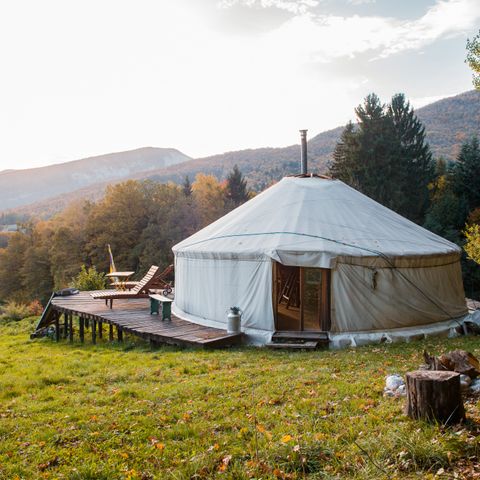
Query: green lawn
x=117 y=411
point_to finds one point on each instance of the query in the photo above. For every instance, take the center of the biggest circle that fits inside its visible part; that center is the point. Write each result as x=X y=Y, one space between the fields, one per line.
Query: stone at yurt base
x=434 y=396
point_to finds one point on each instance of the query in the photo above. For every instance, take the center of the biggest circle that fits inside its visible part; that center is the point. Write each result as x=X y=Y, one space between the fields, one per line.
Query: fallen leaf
x=50 y=463
x=225 y=461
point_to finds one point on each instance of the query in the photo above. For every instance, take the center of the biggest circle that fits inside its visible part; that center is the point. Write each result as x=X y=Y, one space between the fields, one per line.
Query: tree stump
x=434 y=396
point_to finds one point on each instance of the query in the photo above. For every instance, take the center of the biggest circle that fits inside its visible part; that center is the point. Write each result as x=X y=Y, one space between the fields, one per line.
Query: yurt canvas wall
x=386 y=272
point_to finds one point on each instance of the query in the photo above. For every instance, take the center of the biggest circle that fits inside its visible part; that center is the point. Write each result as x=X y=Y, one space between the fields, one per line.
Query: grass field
x=125 y=411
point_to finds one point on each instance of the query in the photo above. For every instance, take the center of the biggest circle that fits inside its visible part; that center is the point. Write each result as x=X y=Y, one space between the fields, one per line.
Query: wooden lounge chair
x=158 y=282
x=140 y=290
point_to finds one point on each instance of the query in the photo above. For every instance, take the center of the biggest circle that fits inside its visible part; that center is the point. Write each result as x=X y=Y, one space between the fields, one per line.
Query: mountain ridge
x=84 y=159
x=23 y=187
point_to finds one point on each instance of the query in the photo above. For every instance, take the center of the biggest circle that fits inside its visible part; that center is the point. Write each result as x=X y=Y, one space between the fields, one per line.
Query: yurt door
x=301 y=298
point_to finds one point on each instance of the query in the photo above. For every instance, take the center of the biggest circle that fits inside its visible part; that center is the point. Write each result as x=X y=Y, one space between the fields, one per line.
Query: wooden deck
x=127 y=315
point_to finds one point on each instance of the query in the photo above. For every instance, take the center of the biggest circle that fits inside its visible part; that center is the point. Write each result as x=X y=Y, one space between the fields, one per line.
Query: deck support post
x=57 y=326
x=100 y=329
x=110 y=332
x=94 y=331
x=119 y=334
x=70 y=327
x=81 y=321
x=65 y=325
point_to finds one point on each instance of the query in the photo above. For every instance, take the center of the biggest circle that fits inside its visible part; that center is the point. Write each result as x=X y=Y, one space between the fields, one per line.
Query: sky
x=81 y=78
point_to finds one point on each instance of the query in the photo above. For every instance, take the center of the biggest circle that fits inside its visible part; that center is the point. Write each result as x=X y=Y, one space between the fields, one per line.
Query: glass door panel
x=288 y=297
x=312 y=298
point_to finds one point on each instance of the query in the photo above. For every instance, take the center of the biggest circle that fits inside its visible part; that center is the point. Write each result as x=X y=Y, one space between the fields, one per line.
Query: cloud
x=361 y=2
x=163 y=73
x=445 y=18
x=323 y=37
x=296 y=7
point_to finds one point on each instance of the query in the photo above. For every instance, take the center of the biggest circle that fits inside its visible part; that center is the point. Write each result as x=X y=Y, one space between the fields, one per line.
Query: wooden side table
x=122 y=278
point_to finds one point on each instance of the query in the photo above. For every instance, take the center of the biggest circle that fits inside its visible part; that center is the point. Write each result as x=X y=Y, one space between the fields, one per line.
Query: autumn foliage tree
x=140 y=220
x=473 y=59
x=119 y=220
x=11 y=261
x=209 y=195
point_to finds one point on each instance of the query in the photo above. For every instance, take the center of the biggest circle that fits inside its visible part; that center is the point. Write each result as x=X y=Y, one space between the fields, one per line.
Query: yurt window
x=302 y=298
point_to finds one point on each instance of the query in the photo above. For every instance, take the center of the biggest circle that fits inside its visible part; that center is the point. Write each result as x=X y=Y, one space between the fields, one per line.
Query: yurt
x=311 y=254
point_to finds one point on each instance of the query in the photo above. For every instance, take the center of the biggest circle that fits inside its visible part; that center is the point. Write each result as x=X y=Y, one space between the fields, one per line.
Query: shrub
x=89 y=279
x=35 y=308
x=14 y=311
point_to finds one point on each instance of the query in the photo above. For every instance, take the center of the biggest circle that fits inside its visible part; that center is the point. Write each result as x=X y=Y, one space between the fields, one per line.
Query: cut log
x=434 y=396
x=462 y=362
x=459 y=361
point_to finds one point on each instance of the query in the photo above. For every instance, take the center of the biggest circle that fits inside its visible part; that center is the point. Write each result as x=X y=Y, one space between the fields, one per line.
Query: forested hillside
x=450 y=122
x=261 y=166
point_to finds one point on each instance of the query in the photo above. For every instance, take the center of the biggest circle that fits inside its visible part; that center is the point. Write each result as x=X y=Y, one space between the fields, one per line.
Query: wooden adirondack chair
x=140 y=290
x=159 y=282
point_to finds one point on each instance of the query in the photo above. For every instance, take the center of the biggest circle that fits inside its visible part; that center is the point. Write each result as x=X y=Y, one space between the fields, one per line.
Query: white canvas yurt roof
x=311 y=222
x=386 y=273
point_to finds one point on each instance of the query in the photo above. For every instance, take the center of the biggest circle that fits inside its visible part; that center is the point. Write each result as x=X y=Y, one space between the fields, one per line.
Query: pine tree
x=376 y=158
x=187 y=187
x=386 y=156
x=345 y=157
x=414 y=159
x=236 y=190
x=467 y=174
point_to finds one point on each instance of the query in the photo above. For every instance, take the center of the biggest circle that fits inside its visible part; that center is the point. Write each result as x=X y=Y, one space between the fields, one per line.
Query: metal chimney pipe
x=303 y=137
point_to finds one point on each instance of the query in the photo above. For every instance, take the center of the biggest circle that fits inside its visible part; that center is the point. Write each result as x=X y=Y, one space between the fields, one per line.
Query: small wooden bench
x=156 y=300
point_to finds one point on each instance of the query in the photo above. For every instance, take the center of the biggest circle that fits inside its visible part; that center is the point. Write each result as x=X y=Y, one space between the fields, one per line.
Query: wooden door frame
x=324 y=311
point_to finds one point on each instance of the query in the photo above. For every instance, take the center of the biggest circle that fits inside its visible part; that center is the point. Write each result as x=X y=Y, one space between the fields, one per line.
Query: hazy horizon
x=310 y=135
x=210 y=76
